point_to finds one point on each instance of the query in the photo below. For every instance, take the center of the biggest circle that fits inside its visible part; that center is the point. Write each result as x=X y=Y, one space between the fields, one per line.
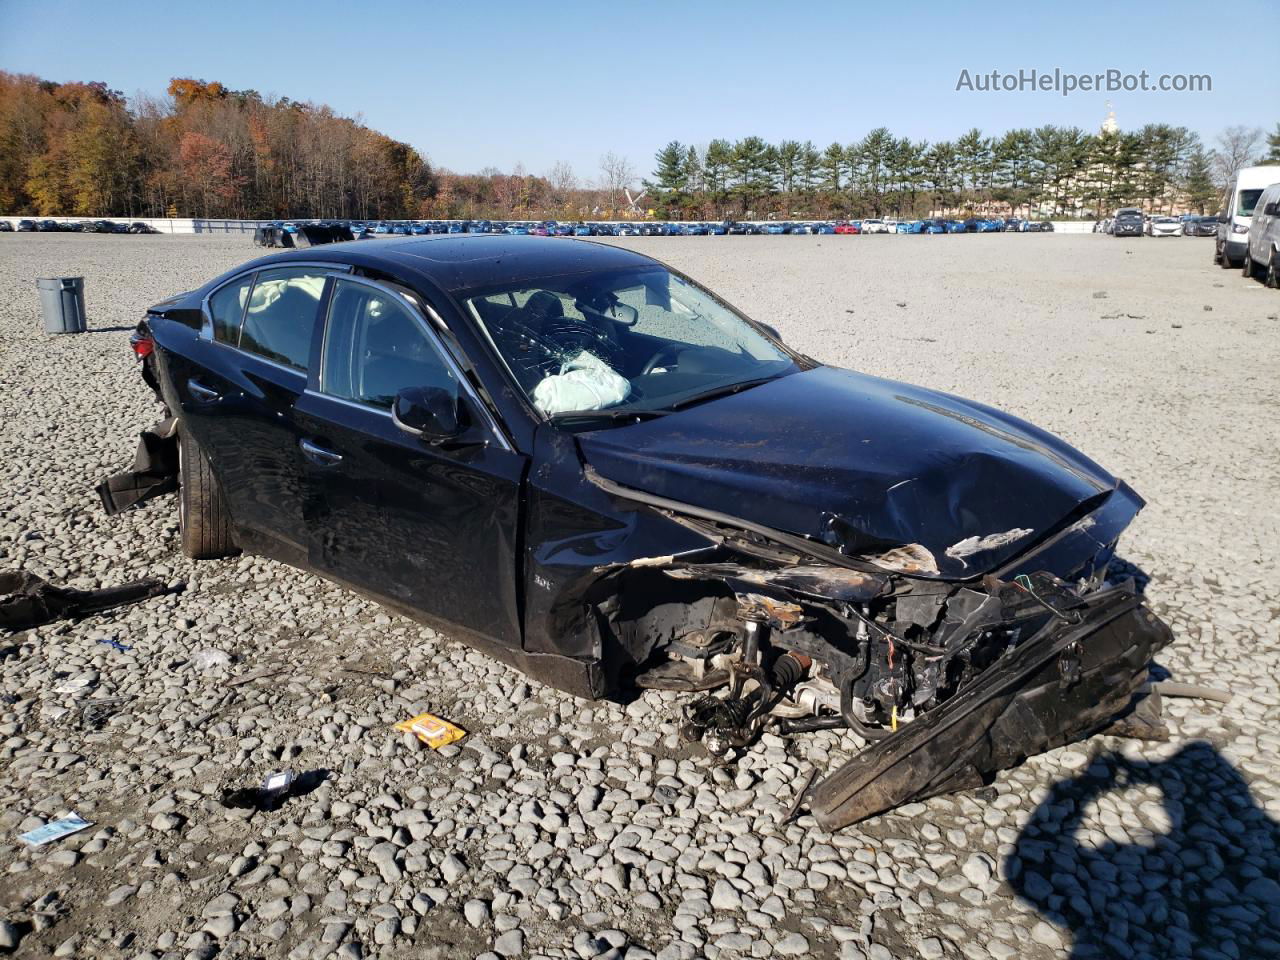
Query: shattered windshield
x=613 y=344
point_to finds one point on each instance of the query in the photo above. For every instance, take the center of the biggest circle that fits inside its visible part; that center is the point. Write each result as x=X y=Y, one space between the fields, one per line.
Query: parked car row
x=299 y=233
x=1246 y=233
x=75 y=226
x=1132 y=222
x=1200 y=226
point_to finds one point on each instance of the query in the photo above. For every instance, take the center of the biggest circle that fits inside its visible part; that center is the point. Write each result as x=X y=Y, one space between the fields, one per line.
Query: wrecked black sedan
x=589 y=466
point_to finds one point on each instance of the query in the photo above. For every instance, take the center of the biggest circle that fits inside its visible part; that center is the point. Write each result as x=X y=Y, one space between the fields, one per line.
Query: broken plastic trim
x=28 y=601
x=154 y=473
x=1061 y=685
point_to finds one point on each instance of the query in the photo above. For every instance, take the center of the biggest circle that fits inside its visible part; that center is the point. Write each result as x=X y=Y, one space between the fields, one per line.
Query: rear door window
x=281 y=315
x=374 y=348
x=226 y=307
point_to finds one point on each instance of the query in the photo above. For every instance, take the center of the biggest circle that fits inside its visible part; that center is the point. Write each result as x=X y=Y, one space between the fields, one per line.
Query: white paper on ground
x=584 y=383
x=54 y=831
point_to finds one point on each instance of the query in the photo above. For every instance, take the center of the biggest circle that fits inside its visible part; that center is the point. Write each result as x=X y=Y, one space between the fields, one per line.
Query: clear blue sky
x=495 y=83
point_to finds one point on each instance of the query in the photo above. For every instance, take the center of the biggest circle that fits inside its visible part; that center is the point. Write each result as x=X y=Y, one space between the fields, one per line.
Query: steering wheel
x=655 y=361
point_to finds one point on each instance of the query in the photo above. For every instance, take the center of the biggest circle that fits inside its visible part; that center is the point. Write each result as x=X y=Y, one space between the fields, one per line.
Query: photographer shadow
x=1197 y=879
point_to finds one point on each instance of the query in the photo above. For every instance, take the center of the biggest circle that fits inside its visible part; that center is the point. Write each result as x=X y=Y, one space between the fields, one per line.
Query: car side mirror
x=436 y=414
x=1271 y=209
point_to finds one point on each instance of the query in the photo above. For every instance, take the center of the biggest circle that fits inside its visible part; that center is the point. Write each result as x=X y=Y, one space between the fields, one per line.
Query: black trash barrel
x=62 y=303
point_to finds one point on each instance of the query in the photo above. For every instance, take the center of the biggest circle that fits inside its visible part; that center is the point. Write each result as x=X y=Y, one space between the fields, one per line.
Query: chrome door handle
x=321 y=456
x=201 y=392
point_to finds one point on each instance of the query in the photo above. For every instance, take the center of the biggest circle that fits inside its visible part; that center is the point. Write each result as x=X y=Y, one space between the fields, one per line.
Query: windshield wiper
x=608 y=416
x=715 y=392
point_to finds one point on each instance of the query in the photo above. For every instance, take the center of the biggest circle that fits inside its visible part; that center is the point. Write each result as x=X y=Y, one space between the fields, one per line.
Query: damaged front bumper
x=1064 y=683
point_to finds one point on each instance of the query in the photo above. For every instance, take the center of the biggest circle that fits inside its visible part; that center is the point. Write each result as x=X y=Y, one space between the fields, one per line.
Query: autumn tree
x=206 y=168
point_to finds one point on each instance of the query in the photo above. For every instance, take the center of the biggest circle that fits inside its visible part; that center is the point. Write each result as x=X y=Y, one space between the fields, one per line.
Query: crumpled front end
x=1068 y=680
x=947 y=682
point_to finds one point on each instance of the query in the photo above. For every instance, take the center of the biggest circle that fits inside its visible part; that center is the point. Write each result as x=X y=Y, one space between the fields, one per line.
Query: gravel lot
x=567 y=829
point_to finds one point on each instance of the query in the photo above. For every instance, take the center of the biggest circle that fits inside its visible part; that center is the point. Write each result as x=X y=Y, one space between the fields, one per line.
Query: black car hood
x=863 y=464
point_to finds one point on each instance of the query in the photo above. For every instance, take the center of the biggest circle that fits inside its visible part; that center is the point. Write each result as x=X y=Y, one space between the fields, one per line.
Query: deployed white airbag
x=584 y=383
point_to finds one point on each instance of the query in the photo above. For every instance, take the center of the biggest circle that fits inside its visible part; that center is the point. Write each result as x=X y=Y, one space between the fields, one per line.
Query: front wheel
x=203 y=522
x=1273 y=271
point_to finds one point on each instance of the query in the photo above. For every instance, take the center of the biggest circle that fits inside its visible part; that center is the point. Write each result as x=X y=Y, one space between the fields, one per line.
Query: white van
x=1262 y=255
x=1232 y=244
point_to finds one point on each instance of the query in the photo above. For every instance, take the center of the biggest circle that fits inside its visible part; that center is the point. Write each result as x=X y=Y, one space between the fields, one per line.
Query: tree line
x=204 y=151
x=1046 y=171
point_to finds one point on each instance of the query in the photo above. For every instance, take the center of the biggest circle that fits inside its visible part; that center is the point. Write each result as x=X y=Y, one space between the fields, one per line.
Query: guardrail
x=163 y=224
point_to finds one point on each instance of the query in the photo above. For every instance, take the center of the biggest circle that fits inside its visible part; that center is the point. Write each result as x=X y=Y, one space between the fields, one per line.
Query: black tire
x=203 y=521
x=1252 y=269
x=1273 y=271
x=1223 y=260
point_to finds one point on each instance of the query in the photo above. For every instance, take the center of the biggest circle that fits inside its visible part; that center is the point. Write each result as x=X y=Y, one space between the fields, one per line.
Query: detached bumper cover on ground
x=27 y=600
x=154 y=473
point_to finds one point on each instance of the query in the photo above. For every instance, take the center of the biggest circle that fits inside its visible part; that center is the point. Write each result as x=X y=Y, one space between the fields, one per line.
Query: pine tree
x=692 y=170
x=715 y=172
x=832 y=167
x=1273 y=146
x=872 y=155
x=1197 y=180
x=750 y=168
x=671 y=175
x=807 y=167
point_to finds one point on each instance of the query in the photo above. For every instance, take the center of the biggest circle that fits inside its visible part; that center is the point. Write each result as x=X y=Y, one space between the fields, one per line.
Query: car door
x=238 y=388
x=431 y=528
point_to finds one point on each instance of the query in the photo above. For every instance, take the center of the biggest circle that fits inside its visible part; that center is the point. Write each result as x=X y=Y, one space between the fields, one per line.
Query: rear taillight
x=143 y=345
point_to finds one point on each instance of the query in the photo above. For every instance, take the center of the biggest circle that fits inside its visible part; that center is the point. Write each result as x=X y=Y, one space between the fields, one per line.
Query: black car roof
x=455 y=262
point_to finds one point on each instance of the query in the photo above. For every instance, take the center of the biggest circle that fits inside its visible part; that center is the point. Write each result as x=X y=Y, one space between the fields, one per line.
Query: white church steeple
x=1109 y=125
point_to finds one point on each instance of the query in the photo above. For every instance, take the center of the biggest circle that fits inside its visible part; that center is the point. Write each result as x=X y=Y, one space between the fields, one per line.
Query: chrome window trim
x=417 y=312
x=366 y=407
x=259 y=358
